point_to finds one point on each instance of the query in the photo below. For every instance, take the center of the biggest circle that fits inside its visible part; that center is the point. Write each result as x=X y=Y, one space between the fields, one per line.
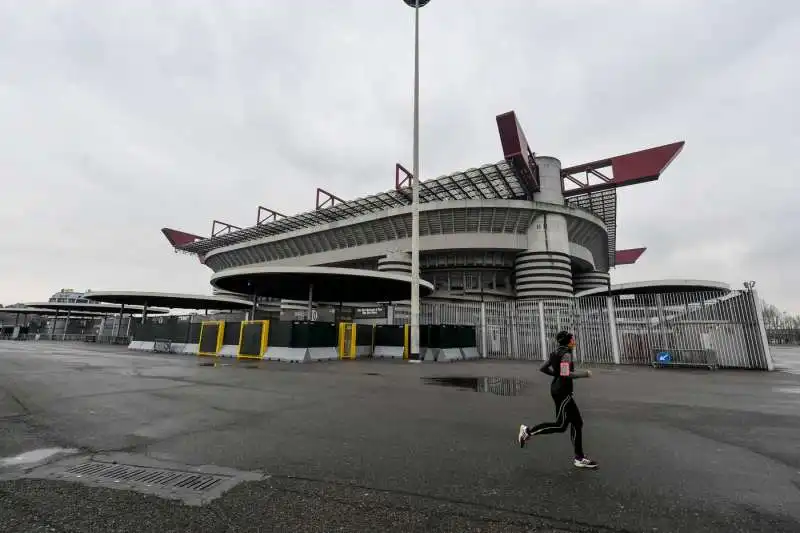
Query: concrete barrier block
x=429 y=355
x=323 y=354
x=449 y=355
x=228 y=350
x=470 y=353
x=391 y=352
x=143 y=346
x=366 y=351
x=288 y=355
x=190 y=349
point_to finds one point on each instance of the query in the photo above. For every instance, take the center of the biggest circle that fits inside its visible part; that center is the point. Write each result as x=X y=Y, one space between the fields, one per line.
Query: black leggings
x=567 y=414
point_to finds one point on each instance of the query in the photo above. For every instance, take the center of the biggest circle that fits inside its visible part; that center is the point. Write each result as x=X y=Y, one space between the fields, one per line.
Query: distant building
x=69 y=296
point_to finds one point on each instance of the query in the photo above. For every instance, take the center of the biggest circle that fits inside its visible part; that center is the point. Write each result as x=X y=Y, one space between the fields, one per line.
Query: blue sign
x=664 y=357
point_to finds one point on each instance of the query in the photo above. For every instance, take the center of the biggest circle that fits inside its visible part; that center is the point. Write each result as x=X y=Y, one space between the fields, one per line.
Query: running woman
x=562 y=368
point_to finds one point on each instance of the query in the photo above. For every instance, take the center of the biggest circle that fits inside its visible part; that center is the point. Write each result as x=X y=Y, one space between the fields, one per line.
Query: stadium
x=510 y=253
x=522 y=228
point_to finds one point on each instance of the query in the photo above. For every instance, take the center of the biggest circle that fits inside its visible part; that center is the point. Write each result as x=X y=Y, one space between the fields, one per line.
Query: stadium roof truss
x=488 y=182
x=589 y=186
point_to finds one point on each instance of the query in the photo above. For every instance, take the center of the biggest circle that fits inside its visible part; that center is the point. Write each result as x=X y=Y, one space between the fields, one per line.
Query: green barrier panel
x=425 y=336
x=251 y=339
x=300 y=335
x=434 y=337
x=209 y=339
x=194 y=333
x=163 y=328
x=180 y=332
x=144 y=332
x=280 y=334
x=464 y=334
x=443 y=334
x=231 y=334
x=322 y=335
x=389 y=335
x=364 y=333
x=470 y=337
x=170 y=328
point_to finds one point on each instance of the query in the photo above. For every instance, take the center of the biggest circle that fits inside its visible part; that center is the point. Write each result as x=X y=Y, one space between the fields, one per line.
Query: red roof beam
x=517 y=151
x=629 y=169
x=179 y=238
x=405 y=181
x=628 y=257
x=224 y=227
x=329 y=199
x=271 y=215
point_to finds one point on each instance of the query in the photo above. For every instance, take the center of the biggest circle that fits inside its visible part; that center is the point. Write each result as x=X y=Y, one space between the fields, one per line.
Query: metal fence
x=703 y=328
x=726 y=329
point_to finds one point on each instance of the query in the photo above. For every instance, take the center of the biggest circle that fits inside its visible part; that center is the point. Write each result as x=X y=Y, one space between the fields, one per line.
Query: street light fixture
x=414 y=340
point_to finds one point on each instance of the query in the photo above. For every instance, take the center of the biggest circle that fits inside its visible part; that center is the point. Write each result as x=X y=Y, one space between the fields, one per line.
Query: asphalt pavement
x=372 y=446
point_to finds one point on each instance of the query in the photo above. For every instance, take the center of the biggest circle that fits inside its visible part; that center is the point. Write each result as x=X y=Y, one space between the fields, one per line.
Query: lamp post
x=414 y=340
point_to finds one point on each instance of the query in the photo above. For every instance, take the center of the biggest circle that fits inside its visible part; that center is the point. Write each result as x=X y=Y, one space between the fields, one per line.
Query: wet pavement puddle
x=34 y=456
x=489 y=385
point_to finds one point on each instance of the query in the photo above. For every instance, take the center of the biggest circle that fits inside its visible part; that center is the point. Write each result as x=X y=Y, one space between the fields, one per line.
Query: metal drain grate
x=194 y=485
x=160 y=477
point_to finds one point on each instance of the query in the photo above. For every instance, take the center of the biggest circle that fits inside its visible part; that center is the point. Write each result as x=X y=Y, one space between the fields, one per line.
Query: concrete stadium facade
x=485 y=233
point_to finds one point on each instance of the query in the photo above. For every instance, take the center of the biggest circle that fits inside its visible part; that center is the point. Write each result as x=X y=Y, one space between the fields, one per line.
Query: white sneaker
x=584 y=463
x=523 y=435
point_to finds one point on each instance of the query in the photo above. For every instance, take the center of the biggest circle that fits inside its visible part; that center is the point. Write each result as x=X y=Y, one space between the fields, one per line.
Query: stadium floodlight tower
x=414 y=340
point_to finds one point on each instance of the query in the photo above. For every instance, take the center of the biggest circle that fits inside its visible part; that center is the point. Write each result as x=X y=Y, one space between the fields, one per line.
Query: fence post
x=542 y=331
x=762 y=329
x=66 y=326
x=576 y=328
x=662 y=322
x=612 y=326
x=484 y=341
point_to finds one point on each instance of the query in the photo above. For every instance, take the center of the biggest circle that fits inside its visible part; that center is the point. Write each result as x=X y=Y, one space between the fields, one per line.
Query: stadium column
x=593 y=279
x=544 y=270
x=396 y=263
x=254 y=307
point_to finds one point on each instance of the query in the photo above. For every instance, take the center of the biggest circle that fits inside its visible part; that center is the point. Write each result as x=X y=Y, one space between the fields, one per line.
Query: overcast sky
x=118 y=118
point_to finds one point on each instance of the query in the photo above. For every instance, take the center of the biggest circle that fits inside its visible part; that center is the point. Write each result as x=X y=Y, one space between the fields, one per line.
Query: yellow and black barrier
x=301 y=341
x=253 y=339
x=355 y=340
x=347 y=340
x=211 y=334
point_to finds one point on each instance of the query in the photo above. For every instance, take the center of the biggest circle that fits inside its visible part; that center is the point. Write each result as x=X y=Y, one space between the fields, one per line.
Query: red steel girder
x=224 y=228
x=180 y=238
x=405 y=181
x=329 y=199
x=629 y=256
x=403 y=184
x=517 y=151
x=628 y=169
x=271 y=215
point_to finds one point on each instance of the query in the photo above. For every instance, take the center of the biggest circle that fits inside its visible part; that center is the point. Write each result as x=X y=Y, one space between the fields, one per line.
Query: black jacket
x=561 y=385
